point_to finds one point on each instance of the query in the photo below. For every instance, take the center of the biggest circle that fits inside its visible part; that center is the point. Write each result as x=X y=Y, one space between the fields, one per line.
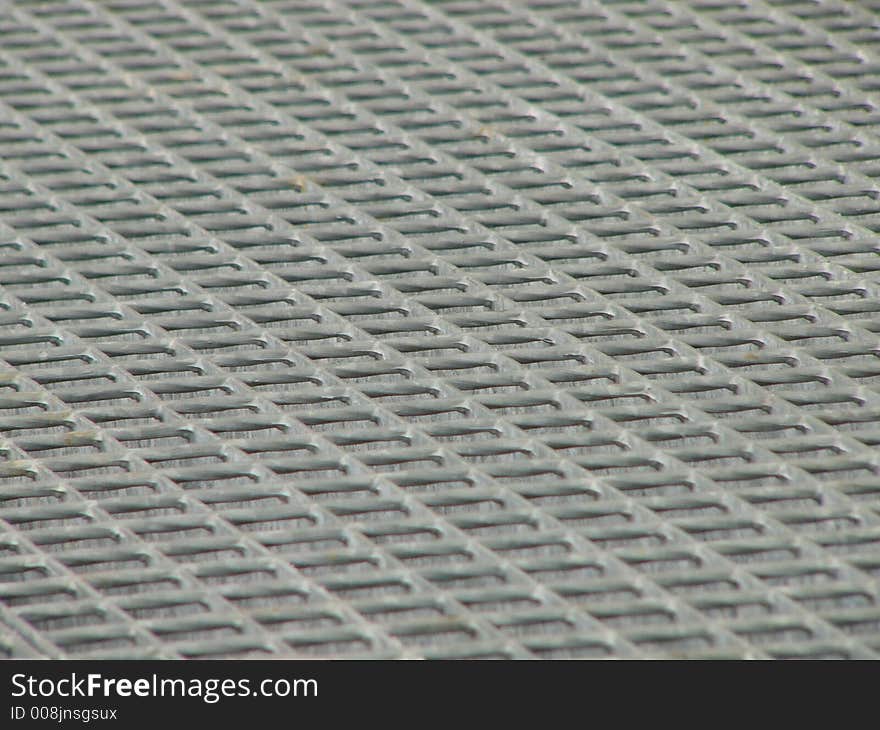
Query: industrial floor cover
x=469 y=328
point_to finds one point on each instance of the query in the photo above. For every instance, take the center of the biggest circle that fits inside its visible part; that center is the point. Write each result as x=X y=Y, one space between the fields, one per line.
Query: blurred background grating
x=469 y=328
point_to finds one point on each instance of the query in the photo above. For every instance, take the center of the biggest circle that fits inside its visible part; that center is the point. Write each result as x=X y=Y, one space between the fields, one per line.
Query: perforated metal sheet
x=385 y=328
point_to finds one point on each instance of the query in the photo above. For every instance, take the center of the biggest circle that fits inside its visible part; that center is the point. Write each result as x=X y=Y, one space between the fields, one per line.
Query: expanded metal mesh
x=390 y=328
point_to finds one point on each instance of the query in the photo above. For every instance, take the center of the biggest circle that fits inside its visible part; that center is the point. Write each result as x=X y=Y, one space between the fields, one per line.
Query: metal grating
x=389 y=328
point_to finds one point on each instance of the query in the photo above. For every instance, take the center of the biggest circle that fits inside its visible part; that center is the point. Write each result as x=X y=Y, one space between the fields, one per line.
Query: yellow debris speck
x=299 y=183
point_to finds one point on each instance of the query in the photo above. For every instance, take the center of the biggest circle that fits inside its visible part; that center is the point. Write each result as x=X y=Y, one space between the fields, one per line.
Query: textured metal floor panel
x=390 y=328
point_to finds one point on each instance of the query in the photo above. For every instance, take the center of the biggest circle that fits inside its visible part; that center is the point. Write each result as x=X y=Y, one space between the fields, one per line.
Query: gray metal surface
x=389 y=328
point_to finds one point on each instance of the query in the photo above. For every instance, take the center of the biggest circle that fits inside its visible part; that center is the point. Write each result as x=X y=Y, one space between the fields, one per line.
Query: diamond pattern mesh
x=391 y=328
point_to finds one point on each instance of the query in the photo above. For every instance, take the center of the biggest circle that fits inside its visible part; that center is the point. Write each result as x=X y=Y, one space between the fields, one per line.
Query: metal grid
x=390 y=328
